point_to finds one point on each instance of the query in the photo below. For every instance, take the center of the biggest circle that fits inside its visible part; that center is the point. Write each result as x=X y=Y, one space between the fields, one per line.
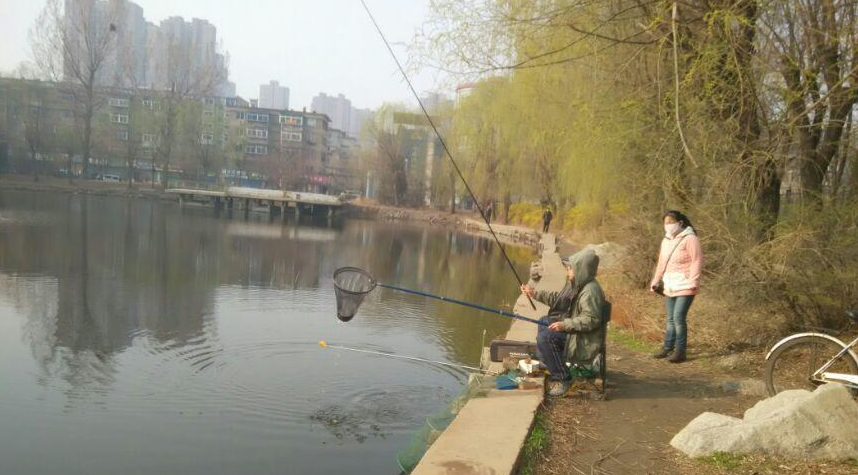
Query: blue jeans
x=550 y=348
x=676 y=334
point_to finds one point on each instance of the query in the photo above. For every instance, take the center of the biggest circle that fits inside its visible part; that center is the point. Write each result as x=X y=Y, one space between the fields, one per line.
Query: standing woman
x=677 y=277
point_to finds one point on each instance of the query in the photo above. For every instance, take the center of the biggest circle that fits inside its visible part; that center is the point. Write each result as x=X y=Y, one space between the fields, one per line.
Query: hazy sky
x=310 y=46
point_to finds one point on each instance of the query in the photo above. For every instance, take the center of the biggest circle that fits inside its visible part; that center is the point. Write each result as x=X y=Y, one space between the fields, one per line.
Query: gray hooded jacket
x=583 y=319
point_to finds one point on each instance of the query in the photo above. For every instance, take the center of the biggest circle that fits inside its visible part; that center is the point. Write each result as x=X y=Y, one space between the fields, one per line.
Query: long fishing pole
x=447 y=150
x=466 y=304
x=324 y=344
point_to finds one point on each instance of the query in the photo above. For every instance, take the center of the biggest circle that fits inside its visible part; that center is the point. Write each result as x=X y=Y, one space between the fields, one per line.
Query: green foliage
x=630 y=341
x=536 y=442
x=527 y=214
x=724 y=461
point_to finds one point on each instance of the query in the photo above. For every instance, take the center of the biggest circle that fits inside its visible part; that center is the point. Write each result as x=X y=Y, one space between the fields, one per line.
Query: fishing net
x=408 y=458
x=351 y=286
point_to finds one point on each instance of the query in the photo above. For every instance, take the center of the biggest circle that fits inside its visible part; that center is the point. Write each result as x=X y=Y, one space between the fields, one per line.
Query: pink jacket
x=682 y=274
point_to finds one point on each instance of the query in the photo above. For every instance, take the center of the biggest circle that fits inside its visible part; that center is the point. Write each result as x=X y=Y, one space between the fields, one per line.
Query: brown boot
x=663 y=353
x=678 y=356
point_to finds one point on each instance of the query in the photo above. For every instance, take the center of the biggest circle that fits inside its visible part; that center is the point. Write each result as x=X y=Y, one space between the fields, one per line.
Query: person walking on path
x=489 y=210
x=546 y=219
x=677 y=278
x=575 y=316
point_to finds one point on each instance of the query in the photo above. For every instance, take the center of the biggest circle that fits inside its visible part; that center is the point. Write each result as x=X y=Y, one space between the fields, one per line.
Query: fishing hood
x=585 y=265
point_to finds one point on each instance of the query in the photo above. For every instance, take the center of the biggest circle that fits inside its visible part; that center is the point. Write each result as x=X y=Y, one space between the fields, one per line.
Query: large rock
x=795 y=424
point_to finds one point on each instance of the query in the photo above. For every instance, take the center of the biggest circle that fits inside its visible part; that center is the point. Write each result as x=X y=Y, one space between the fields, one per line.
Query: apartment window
x=119 y=118
x=291 y=120
x=148 y=102
x=122 y=134
x=208 y=115
x=291 y=136
x=147 y=140
x=206 y=139
x=208 y=101
x=258 y=133
x=118 y=102
x=256 y=149
x=254 y=117
x=230 y=101
x=240 y=115
x=311 y=122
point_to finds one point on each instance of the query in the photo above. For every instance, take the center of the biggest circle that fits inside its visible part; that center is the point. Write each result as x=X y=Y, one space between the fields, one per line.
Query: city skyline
x=322 y=59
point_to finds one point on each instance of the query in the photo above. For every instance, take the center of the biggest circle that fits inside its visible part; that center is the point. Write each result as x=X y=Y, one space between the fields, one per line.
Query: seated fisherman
x=575 y=316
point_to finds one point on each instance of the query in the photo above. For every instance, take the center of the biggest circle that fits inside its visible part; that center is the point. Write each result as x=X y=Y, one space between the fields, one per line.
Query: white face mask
x=671 y=230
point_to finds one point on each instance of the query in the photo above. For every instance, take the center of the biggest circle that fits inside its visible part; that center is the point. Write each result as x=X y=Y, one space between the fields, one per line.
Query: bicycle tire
x=781 y=356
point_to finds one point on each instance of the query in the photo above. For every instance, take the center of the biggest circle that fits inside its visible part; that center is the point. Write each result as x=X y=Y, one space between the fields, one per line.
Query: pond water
x=137 y=337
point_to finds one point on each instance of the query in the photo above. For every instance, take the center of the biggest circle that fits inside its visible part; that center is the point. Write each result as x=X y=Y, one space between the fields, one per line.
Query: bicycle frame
x=820 y=375
x=850 y=380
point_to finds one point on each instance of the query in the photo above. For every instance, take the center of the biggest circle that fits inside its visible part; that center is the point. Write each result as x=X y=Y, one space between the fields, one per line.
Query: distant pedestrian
x=489 y=210
x=677 y=278
x=546 y=219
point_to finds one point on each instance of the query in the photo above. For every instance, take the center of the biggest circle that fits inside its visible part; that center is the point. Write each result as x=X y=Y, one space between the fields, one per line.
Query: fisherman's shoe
x=558 y=388
x=663 y=353
x=677 y=357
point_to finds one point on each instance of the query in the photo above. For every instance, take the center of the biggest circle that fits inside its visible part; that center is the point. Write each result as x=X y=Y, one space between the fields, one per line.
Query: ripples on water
x=177 y=342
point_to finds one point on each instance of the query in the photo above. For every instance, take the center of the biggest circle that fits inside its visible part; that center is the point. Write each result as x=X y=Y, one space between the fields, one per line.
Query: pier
x=276 y=201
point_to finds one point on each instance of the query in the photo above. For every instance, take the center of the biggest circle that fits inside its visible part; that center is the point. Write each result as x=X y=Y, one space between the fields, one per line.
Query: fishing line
x=324 y=344
x=444 y=146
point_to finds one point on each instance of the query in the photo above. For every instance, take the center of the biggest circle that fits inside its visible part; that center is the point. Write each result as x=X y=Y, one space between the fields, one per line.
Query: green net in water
x=408 y=458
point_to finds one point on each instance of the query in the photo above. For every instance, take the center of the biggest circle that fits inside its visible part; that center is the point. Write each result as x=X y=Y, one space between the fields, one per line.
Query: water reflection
x=147 y=311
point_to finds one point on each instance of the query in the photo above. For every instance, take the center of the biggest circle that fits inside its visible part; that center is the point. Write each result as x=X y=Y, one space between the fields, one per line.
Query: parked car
x=110 y=178
x=349 y=195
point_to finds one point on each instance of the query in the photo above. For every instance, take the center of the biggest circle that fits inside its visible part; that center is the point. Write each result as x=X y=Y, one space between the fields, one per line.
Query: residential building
x=231 y=140
x=273 y=96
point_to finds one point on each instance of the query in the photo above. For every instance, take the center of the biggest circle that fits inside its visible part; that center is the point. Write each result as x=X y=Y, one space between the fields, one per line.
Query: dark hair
x=679 y=217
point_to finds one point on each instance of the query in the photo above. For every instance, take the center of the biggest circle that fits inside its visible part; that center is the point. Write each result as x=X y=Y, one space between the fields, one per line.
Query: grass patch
x=536 y=442
x=628 y=340
x=724 y=460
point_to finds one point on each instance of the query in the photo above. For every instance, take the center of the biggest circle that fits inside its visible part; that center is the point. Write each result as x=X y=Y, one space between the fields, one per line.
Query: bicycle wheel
x=793 y=364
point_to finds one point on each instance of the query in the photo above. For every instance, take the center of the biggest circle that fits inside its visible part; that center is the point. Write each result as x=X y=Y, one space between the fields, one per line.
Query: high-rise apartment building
x=142 y=54
x=338 y=108
x=273 y=96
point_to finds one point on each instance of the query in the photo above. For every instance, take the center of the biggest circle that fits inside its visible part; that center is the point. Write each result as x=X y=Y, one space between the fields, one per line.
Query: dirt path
x=648 y=401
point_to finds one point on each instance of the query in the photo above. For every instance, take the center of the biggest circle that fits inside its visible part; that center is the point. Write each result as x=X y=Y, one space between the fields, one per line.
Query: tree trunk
x=452 y=193
x=87 y=127
x=507 y=202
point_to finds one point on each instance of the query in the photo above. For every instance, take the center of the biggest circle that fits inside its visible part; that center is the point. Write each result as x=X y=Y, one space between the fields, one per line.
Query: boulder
x=793 y=424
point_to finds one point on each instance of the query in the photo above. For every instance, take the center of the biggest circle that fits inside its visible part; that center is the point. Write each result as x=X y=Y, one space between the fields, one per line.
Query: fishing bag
x=500 y=349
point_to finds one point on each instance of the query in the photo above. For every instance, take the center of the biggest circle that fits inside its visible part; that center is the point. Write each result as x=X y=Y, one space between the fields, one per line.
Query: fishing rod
x=463 y=303
x=324 y=344
x=447 y=150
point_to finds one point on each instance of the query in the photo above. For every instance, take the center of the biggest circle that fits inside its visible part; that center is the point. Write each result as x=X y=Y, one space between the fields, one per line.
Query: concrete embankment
x=488 y=434
x=89 y=187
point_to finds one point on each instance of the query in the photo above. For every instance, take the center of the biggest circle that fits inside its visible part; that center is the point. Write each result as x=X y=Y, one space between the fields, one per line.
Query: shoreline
x=465 y=222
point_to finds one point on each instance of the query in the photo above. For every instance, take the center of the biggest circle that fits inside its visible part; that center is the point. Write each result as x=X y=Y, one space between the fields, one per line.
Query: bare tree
x=75 y=44
x=188 y=76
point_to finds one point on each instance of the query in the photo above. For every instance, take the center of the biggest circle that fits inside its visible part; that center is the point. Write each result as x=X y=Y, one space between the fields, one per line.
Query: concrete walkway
x=487 y=435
